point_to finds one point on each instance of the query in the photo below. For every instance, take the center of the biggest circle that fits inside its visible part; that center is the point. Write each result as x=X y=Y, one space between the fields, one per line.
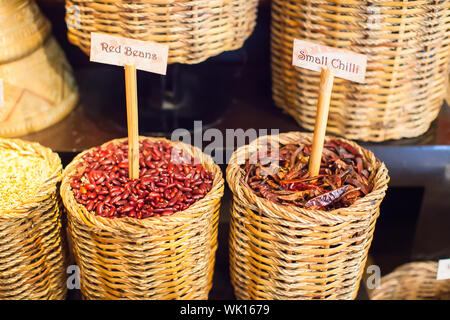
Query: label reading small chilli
x=443 y=272
x=2 y=97
x=144 y=55
x=345 y=64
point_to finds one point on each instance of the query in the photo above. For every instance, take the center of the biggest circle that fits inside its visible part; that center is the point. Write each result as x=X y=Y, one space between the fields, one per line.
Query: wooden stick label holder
x=132 y=55
x=331 y=62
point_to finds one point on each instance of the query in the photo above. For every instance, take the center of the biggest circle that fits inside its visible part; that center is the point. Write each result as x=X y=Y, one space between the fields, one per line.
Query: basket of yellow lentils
x=32 y=259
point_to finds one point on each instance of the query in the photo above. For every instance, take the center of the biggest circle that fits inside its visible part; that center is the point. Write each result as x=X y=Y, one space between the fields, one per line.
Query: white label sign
x=345 y=64
x=144 y=55
x=2 y=94
x=443 y=269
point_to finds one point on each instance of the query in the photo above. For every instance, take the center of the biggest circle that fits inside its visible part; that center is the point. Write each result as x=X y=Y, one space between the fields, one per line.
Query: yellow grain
x=21 y=176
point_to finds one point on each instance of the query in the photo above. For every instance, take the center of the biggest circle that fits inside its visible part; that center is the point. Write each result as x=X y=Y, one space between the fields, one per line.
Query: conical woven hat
x=23 y=29
x=39 y=88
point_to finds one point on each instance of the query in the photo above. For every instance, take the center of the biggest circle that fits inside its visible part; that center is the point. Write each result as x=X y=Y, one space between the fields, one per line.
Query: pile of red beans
x=163 y=188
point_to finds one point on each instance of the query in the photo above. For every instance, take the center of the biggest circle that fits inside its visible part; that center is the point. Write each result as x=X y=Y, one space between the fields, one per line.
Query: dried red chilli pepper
x=326 y=199
x=163 y=188
x=343 y=176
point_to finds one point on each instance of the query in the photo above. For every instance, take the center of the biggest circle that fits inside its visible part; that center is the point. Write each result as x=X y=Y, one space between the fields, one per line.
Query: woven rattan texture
x=40 y=90
x=194 y=29
x=32 y=257
x=155 y=258
x=287 y=252
x=407 y=44
x=24 y=29
x=39 y=87
x=413 y=281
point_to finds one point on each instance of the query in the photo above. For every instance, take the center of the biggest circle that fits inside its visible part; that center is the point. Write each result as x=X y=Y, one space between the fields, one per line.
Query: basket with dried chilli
x=412 y=281
x=280 y=251
x=32 y=256
x=155 y=257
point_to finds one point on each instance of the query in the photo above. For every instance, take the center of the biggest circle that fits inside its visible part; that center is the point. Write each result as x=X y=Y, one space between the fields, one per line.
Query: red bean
x=90 y=205
x=123 y=165
x=115 y=199
x=128 y=209
x=99 y=210
x=91 y=195
x=115 y=193
x=75 y=185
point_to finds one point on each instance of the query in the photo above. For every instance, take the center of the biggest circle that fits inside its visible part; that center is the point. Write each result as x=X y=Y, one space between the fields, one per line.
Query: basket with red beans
x=149 y=238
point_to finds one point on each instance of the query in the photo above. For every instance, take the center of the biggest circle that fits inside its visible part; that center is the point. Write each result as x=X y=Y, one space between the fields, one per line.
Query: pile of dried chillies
x=163 y=188
x=343 y=176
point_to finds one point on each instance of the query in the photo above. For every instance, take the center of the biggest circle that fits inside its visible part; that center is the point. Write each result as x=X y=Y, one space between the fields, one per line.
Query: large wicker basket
x=407 y=45
x=194 y=29
x=32 y=257
x=158 y=258
x=287 y=252
x=413 y=281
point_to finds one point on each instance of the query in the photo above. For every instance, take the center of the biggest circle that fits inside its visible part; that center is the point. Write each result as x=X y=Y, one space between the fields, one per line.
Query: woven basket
x=287 y=252
x=32 y=257
x=194 y=29
x=39 y=88
x=407 y=45
x=413 y=281
x=158 y=258
x=24 y=29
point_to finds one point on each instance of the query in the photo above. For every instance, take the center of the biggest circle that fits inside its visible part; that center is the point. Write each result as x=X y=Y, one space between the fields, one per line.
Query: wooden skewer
x=132 y=119
x=323 y=106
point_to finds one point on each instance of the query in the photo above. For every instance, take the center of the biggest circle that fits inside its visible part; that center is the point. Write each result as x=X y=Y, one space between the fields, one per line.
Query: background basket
x=194 y=29
x=156 y=258
x=39 y=88
x=32 y=257
x=286 y=252
x=24 y=29
x=413 y=281
x=407 y=45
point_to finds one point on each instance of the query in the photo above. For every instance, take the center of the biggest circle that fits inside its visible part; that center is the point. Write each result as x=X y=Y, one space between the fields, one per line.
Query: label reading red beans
x=163 y=188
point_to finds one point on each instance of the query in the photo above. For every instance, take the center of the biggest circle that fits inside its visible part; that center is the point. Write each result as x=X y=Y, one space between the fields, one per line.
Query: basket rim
x=48 y=188
x=128 y=224
x=235 y=176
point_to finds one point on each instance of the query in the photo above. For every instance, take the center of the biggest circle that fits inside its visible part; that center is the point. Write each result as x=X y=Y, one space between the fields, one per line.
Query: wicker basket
x=158 y=258
x=194 y=29
x=413 y=281
x=32 y=257
x=407 y=45
x=287 y=252
x=24 y=29
x=39 y=87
